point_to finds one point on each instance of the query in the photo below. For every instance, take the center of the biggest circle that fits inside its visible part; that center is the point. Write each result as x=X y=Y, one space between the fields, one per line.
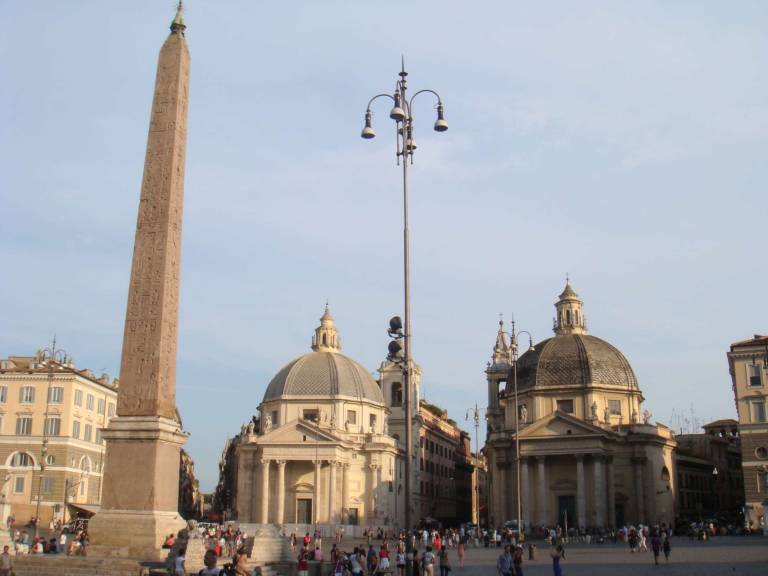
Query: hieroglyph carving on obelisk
x=139 y=505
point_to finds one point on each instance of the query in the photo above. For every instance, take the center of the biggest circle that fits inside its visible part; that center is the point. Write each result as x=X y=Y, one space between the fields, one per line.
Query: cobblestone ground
x=742 y=556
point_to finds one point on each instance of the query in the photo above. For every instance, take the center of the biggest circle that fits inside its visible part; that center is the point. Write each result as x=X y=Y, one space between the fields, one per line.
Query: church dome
x=324 y=372
x=572 y=357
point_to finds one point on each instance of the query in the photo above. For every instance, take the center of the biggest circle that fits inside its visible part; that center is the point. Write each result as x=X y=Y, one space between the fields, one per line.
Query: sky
x=623 y=143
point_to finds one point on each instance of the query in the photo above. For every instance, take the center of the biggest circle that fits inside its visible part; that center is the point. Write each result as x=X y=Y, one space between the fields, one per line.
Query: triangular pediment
x=562 y=424
x=298 y=431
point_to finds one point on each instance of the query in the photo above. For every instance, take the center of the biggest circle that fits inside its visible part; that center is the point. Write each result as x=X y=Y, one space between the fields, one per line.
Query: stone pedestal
x=269 y=546
x=141 y=488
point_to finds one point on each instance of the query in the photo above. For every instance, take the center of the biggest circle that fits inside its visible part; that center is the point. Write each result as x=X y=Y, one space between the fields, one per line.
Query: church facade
x=589 y=455
x=320 y=453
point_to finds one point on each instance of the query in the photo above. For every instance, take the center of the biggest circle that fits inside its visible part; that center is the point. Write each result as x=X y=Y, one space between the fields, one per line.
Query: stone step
x=77 y=566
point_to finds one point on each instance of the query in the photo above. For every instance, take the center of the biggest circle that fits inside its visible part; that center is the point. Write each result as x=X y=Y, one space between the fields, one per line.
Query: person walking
x=445 y=562
x=667 y=547
x=460 y=550
x=428 y=562
x=504 y=563
x=656 y=547
x=557 y=554
x=517 y=560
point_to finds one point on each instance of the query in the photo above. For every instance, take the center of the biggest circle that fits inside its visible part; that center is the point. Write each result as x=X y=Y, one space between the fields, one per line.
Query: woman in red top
x=438 y=542
x=383 y=560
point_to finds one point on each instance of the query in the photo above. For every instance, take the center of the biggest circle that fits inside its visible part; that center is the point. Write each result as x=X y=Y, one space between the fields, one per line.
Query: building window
x=46 y=485
x=98 y=436
x=89 y=402
x=565 y=406
x=761 y=452
x=614 y=407
x=18 y=485
x=397 y=394
x=351 y=416
x=102 y=407
x=24 y=426
x=372 y=422
x=76 y=429
x=78 y=397
x=27 y=394
x=312 y=415
x=50 y=460
x=758 y=411
x=755 y=376
x=21 y=459
x=88 y=433
x=52 y=426
x=275 y=423
x=55 y=395
x=3 y=394
x=111 y=412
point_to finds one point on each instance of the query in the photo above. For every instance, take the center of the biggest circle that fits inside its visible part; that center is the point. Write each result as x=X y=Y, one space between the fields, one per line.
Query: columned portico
x=265 y=491
x=345 y=493
x=332 y=515
x=581 y=502
x=639 y=465
x=541 y=499
x=611 y=492
x=526 y=491
x=599 y=495
x=280 y=492
x=316 y=499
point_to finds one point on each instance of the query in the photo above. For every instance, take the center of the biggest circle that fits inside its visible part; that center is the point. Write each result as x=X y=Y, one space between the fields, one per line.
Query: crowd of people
x=61 y=539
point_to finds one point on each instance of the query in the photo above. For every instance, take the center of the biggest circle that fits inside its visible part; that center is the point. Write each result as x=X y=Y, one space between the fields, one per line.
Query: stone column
x=316 y=502
x=610 y=492
x=598 y=493
x=526 y=491
x=581 y=500
x=502 y=490
x=244 y=487
x=372 y=494
x=543 y=491
x=140 y=497
x=639 y=488
x=265 y=491
x=280 y=492
x=345 y=493
x=332 y=515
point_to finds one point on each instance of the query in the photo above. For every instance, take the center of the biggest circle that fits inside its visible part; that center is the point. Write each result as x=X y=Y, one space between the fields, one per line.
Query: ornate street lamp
x=475 y=413
x=513 y=344
x=402 y=114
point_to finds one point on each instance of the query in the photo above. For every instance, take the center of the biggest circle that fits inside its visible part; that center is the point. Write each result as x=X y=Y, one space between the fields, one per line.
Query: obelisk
x=141 y=477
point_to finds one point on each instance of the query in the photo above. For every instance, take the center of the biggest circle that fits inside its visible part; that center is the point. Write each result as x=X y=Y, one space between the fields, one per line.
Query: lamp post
x=475 y=413
x=52 y=356
x=513 y=344
x=402 y=114
x=43 y=454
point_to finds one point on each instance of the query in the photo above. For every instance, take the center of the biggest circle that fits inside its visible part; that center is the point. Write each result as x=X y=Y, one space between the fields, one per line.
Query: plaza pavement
x=724 y=555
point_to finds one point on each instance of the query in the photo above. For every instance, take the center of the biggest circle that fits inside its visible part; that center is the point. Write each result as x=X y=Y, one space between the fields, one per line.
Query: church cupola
x=570 y=315
x=326 y=338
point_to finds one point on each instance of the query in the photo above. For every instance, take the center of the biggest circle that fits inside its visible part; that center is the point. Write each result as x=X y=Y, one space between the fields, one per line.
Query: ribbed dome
x=324 y=374
x=569 y=359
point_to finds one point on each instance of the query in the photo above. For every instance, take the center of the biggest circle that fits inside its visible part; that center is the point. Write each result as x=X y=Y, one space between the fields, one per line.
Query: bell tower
x=570 y=314
x=497 y=374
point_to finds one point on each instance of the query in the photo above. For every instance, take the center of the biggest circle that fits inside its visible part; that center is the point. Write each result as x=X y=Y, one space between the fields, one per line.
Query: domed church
x=589 y=455
x=320 y=454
